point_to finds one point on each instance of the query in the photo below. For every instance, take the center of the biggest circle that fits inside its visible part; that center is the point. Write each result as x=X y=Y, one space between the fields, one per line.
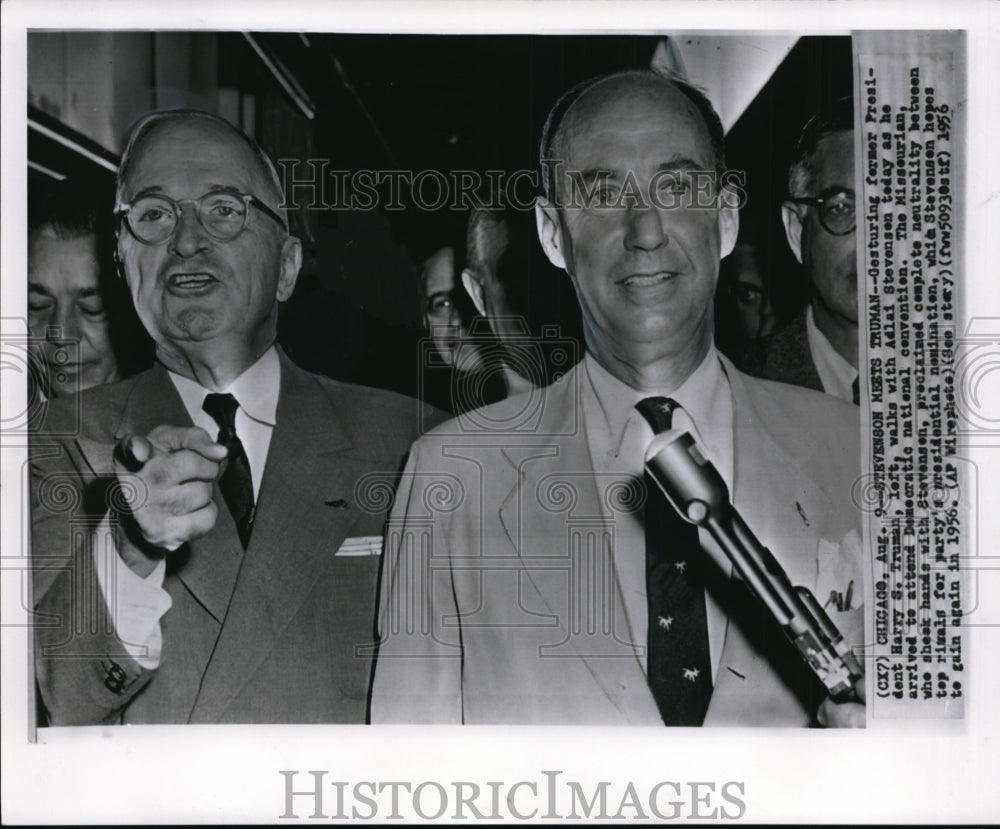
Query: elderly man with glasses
x=818 y=349
x=203 y=549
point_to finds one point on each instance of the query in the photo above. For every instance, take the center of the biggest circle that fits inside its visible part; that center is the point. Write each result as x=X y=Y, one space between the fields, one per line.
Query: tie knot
x=658 y=411
x=222 y=408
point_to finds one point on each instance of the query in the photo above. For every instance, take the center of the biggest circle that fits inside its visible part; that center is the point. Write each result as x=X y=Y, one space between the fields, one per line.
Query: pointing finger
x=200 y=442
x=174 y=438
x=134 y=451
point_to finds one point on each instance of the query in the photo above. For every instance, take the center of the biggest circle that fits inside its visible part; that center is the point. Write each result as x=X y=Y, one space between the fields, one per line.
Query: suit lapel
x=310 y=463
x=208 y=565
x=152 y=401
x=772 y=489
x=783 y=507
x=553 y=509
x=753 y=450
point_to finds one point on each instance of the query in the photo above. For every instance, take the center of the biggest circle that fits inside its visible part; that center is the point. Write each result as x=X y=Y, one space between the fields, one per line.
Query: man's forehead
x=834 y=163
x=66 y=263
x=48 y=240
x=196 y=144
x=638 y=108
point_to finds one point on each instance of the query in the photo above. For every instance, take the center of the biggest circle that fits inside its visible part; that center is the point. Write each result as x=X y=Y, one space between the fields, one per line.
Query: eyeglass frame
x=821 y=199
x=124 y=210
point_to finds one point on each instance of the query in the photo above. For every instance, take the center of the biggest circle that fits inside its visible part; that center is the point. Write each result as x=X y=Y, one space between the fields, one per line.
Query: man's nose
x=65 y=336
x=190 y=236
x=644 y=228
x=63 y=325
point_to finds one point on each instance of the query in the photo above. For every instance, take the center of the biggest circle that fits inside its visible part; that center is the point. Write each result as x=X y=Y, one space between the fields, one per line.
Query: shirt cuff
x=135 y=604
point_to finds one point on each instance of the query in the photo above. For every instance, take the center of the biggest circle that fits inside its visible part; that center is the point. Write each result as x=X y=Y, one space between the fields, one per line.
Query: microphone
x=697 y=491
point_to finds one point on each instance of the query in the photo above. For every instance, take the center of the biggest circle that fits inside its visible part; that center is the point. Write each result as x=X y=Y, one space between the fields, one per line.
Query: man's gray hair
x=801 y=170
x=141 y=128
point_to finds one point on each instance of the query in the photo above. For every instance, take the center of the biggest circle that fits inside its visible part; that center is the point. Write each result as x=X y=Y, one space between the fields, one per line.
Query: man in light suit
x=200 y=548
x=517 y=588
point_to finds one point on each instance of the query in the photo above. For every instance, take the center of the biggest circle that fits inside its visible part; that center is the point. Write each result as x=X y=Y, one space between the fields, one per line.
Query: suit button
x=115 y=680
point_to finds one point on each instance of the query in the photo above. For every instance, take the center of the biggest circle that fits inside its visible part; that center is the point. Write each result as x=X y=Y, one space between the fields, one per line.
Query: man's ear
x=729 y=221
x=550 y=231
x=291 y=262
x=475 y=291
x=792 y=221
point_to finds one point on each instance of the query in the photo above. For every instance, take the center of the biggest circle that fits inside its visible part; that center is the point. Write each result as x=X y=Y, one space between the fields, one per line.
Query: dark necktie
x=236 y=482
x=856 y=390
x=678 y=668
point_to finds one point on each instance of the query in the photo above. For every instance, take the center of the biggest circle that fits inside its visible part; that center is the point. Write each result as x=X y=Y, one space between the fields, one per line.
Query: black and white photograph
x=411 y=410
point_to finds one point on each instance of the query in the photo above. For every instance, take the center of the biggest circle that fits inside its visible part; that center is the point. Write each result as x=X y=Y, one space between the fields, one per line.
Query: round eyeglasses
x=153 y=219
x=836 y=209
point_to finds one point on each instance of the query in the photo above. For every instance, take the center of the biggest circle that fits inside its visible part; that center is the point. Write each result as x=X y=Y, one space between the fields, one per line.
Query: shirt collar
x=698 y=395
x=836 y=374
x=256 y=389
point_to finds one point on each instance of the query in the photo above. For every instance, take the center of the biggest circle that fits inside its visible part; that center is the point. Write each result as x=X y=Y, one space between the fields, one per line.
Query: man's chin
x=196 y=325
x=850 y=309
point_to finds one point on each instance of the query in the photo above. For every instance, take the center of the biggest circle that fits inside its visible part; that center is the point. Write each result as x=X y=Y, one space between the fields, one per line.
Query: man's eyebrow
x=676 y=163
x=145 y=191
x=592 y=172
x=679 y=163
x=88 y=291
x=154 y=189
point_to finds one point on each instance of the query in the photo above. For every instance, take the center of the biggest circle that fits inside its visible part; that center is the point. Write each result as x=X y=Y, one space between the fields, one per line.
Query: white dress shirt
x=835 y=373
x=618 y=436
x=139 y=603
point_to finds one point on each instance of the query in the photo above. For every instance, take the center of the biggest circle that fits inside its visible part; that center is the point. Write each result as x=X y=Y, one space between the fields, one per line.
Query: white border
x=187 y=774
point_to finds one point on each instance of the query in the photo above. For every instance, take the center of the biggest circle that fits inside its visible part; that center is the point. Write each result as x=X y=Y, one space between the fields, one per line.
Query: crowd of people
x=250 y=563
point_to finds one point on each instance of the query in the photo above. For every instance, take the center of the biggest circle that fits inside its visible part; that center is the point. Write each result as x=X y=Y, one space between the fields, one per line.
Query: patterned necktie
x=677 y=661
x=236 y=482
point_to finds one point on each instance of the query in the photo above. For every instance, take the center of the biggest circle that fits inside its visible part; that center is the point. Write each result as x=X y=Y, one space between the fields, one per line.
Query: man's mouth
x=190 y=281
x=647 y=280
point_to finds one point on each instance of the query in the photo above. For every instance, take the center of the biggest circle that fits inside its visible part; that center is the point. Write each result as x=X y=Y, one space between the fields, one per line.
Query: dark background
x=404 y=102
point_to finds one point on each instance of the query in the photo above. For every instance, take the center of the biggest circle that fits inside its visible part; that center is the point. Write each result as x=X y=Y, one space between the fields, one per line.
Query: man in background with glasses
x=205 y=549
x=819 y=348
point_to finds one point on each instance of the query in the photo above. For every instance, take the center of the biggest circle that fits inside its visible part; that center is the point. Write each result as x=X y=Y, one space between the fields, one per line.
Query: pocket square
x=362 y=545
